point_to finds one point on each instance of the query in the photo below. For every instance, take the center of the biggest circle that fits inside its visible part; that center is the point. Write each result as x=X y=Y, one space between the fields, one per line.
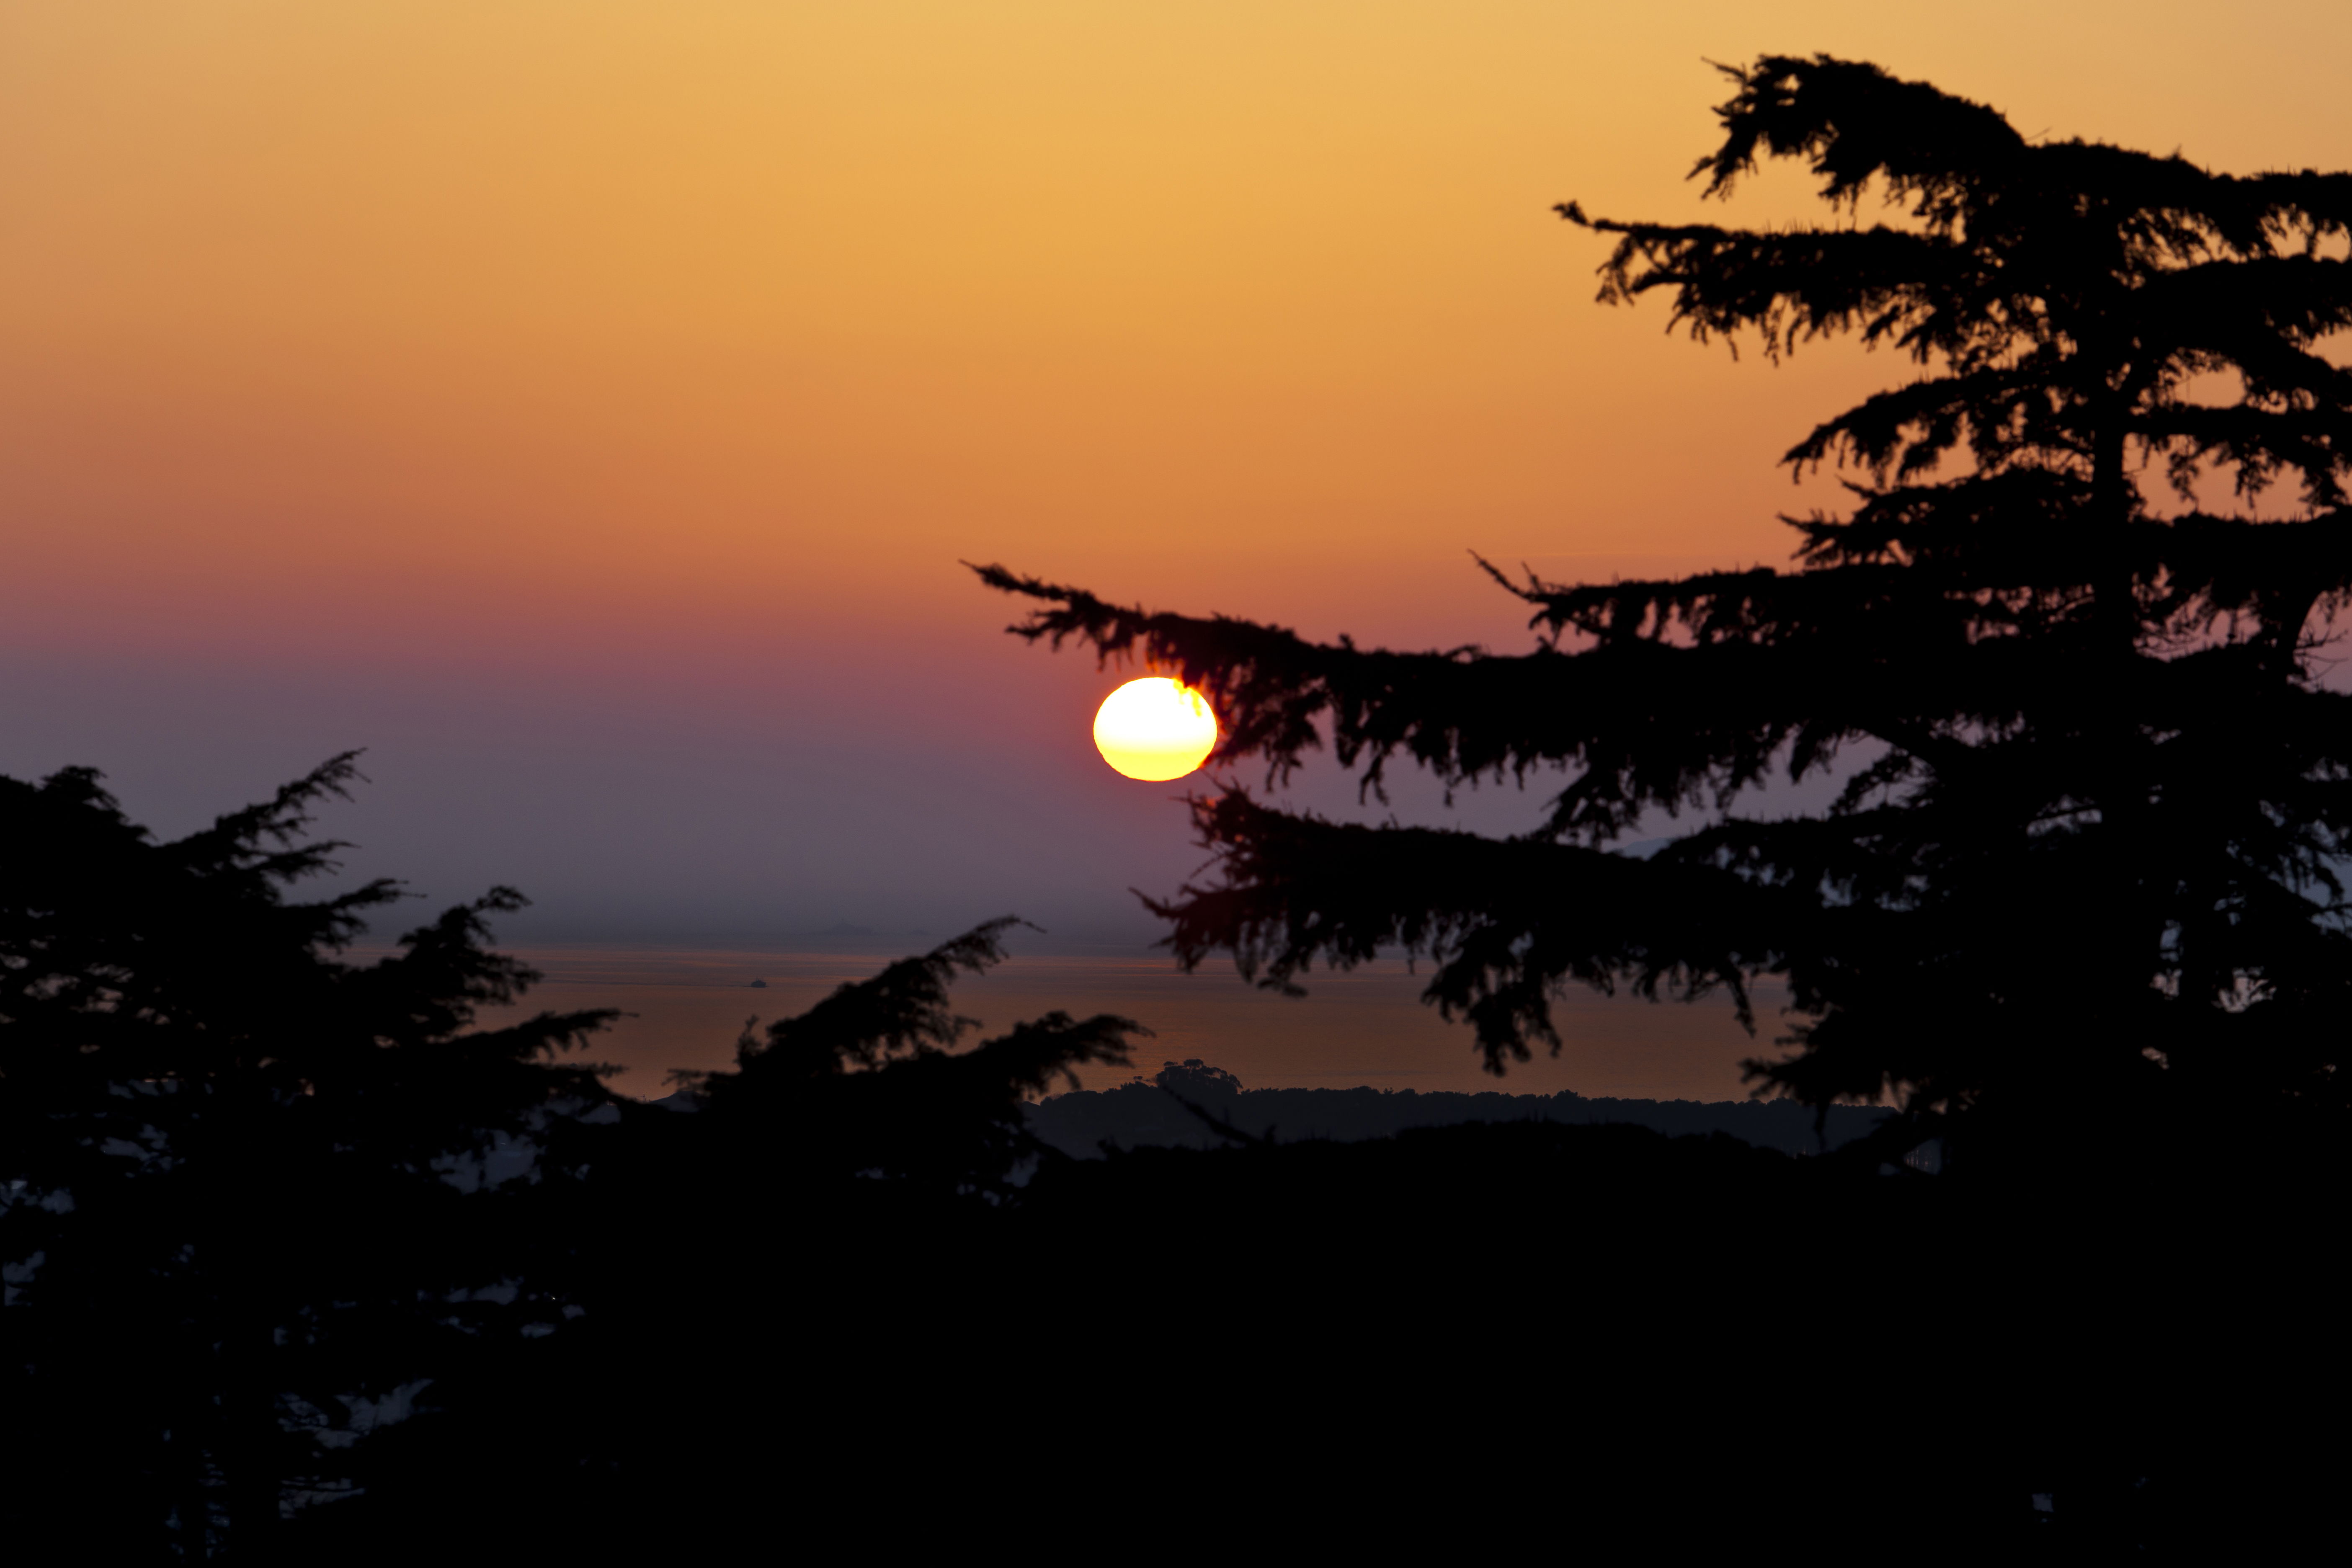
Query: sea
x=686 y=1008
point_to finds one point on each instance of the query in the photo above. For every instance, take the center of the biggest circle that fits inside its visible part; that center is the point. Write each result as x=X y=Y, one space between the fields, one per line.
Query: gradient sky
x=583 y=403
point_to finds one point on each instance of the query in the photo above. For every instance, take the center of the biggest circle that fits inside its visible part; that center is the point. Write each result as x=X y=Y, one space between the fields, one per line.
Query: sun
x=1155 y=729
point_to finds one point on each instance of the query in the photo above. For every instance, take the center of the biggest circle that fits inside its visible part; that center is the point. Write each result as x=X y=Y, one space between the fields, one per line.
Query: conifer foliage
x=241 y=1175
x=2086 y=858
x=871 y=1089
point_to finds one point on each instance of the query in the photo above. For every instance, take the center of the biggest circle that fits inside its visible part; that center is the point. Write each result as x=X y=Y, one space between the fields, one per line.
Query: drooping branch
x=1857 y=124
x=1507 y=921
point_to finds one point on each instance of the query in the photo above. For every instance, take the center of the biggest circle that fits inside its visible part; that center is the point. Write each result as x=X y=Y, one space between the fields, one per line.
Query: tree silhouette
x=823 y=1239
x=867 y=1085
x=227 y=1161
x=2084 y=868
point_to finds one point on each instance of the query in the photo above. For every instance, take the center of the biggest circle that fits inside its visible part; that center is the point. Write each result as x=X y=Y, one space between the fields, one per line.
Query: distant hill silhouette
x=1151 y=1114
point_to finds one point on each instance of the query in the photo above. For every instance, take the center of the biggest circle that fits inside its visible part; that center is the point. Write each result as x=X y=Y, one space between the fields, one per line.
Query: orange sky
x=655 y=351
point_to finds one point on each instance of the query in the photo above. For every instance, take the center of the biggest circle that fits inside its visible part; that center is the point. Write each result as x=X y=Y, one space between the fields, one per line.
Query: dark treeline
x=305 y=1264
x=1165 y=1112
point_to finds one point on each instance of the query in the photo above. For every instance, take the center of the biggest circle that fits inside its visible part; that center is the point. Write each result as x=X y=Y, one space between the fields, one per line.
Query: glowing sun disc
x=1155 y=729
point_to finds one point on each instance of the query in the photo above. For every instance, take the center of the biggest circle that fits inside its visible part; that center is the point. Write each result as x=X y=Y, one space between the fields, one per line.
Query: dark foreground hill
x=1462 y=1340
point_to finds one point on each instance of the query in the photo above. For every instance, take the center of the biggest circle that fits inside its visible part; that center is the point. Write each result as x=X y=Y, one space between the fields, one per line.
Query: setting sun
x=1155 y=729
